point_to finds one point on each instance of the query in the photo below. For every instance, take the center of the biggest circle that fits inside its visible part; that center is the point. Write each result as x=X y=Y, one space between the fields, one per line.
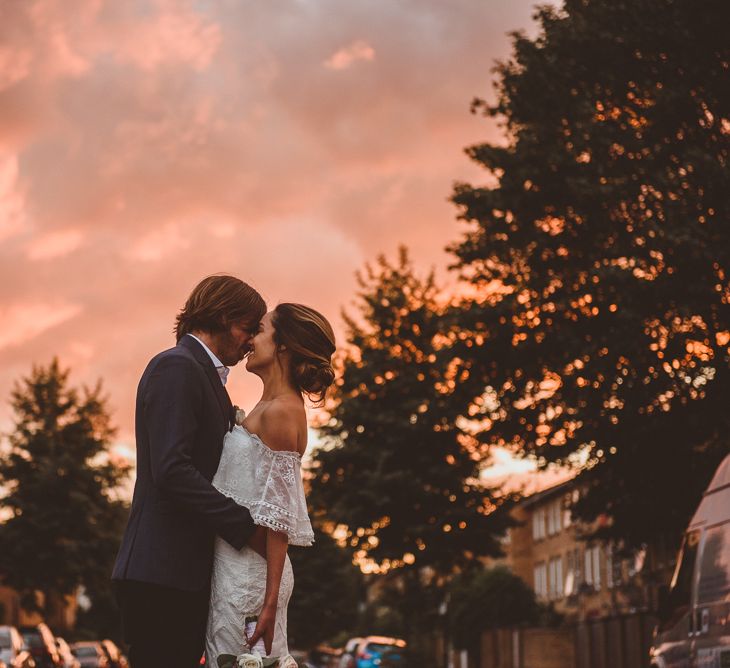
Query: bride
x=260 y=468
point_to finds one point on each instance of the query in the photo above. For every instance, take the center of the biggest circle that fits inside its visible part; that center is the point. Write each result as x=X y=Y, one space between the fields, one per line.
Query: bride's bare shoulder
x=284 y=425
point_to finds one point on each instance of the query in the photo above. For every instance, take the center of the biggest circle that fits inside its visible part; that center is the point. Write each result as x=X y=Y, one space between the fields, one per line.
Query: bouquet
x=256 y=661
x=253 y=657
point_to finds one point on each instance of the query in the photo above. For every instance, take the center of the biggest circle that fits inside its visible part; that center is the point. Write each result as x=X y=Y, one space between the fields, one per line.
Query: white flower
x=249 y=661
x=240 y=415
x=288 y=661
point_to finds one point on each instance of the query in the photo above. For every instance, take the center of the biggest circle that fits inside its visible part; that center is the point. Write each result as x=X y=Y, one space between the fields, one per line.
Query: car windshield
x=32 y=639
x=5 y=642
x=379 y=647
x=85 y=651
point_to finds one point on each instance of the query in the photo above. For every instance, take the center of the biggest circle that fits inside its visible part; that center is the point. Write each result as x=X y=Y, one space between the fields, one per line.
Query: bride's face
x=262 y=346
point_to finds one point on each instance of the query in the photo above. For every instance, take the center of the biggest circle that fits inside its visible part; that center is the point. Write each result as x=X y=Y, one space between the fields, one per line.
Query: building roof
x=547 y=494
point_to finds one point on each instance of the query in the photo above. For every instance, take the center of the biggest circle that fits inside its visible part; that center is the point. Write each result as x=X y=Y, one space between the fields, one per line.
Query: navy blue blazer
x=182 y=414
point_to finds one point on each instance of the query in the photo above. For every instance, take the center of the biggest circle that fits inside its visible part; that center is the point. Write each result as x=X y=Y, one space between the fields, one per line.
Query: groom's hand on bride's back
x=264 y=629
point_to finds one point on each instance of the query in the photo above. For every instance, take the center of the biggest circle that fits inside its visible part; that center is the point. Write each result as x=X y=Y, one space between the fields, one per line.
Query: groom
x=183 y=411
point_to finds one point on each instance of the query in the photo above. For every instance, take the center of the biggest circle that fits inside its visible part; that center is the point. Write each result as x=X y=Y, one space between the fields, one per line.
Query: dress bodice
x=267 y=482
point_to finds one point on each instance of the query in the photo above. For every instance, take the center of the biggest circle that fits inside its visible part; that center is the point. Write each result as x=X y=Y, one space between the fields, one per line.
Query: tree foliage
x=489 y=599
x=394 y=471
x=600 y=252
x=65 y=523
x=325 y=600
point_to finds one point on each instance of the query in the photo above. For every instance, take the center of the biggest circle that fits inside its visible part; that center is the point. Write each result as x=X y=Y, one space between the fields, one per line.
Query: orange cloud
x=177 y=34
x=23 y=322
x=345 y=57
x=144 y=145
x=14 y=66
x=55 y=244
x=12 y=201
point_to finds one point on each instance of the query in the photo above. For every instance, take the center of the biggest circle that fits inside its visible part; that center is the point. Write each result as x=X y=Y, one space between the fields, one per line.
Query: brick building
x=61 y=613
x=582 y=578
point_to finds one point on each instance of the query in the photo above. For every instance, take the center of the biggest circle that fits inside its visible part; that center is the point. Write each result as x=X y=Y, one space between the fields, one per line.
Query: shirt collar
x=216 y=362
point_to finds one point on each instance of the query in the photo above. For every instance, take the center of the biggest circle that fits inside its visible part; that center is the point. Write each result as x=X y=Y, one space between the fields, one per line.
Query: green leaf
x=226 y=661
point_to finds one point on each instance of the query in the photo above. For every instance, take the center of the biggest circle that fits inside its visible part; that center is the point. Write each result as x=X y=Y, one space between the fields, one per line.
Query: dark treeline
x=596 y=332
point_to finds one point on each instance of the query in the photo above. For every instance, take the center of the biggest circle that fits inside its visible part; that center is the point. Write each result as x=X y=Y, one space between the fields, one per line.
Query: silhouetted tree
x=599 y=256
x=395 y=474
x=394 y=469
x=327 y=593
x=65 y=521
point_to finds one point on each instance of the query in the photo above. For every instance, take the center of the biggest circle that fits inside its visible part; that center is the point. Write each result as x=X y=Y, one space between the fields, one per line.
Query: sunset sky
x=144 y=145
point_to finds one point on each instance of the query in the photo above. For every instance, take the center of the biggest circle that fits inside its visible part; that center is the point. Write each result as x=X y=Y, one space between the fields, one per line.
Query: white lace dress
x=269 y=483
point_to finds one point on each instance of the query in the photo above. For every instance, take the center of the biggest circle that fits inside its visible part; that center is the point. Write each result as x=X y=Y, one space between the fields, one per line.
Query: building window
x=636 y=565
x=541 y=583
x=593 y=567
x=610 y=560
x=574 y=571
x=567 y=515
x=554 y=511
x=614 y=567
x=555 y=574
x=538 y=524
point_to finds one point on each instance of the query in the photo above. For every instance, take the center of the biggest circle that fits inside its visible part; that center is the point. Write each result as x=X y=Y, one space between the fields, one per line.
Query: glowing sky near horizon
x=146 y=144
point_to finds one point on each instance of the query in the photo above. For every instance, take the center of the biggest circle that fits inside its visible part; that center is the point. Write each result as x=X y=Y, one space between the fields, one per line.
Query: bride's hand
x=265 y=628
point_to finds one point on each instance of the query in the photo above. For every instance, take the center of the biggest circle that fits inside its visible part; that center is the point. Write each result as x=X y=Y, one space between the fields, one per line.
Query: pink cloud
x=24 y=321
x=159 y=243
x=12 y=200
x=144 y=145
x=176 y=35
x=345 y=57
x=55 y=244
x=14 y=66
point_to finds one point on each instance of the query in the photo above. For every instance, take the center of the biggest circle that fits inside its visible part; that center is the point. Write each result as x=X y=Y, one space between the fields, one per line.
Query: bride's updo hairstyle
x=309 y=338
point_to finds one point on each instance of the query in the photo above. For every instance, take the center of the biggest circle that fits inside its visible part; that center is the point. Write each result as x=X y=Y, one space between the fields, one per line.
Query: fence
x=614 y=642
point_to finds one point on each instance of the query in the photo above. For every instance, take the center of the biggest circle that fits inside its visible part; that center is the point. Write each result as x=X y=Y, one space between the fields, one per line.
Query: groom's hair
x=217 y=301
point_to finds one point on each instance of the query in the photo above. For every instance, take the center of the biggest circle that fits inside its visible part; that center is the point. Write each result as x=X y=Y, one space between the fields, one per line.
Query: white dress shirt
x=219 y=366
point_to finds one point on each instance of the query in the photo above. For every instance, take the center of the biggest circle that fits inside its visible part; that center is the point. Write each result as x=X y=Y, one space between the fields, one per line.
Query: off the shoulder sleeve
x=280 y=504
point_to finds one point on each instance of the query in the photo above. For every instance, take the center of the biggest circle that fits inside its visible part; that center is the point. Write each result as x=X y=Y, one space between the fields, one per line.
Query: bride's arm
x=279 y=430
x=276 y=547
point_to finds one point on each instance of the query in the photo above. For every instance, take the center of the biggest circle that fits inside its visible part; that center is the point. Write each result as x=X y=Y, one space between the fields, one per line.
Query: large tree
x=395 y=476
x=599 y=251
x=324 y=605
x=395 y=471
x=65 y=521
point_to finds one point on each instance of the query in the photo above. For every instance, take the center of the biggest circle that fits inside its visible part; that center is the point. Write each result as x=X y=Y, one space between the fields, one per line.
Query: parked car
x=90 y=654
x=69 y=660
x=347 y=658
x=114 y=654
x=12 y=652
x=323 y=656
x=41 y=644
x=301 y=657
x=694 y=611
x=372 y=649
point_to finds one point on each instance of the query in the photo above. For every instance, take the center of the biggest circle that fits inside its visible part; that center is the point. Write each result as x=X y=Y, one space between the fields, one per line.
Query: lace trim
x=300 y=537
x=300 y=540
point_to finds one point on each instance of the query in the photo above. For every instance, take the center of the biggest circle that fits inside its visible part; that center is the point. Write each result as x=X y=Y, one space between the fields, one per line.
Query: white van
x=694 y=626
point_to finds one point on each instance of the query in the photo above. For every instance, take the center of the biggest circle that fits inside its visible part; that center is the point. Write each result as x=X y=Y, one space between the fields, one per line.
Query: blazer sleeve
x=171 y=400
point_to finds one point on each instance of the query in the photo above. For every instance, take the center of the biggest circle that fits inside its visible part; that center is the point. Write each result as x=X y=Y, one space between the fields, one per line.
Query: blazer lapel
x=200 y=354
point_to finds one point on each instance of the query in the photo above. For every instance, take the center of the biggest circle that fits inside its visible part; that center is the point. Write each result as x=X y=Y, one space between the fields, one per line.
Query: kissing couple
x=218 y=498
